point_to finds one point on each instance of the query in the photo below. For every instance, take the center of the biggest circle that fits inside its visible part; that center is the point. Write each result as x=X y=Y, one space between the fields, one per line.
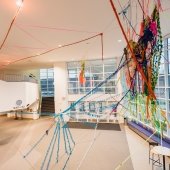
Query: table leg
x=163 y=162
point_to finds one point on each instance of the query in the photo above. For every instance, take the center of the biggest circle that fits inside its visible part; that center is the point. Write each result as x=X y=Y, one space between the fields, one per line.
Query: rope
x=65 y=128
x=70 y=134
x=66 y=162
x=49 y=147
x=58 y=146
x=84 y=157
x=34 y=146
x=11 y=24
x=130 y=48
x=56 y=48
x=65 y=140
x=123 y=162
x=102 y=44
x=142 y=9
x=55 y=28
x=31 y=36
x=68 y=141
x=124 y=14
x=52 y=150
x=41 y=138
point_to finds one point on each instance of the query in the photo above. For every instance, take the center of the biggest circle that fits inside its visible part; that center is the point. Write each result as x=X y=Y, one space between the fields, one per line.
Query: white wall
x=60 y=85
x=10 y=92
x=32 y=92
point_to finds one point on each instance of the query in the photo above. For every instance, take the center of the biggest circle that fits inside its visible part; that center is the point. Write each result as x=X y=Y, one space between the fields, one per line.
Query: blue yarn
x=68 y=129
x=68 y=141
x=70 y=135
x=58 y=146
x=52 y=149
x=34 y=146
x=65 y=140
x=66 y=162
x=49 y=147
x=38 y=141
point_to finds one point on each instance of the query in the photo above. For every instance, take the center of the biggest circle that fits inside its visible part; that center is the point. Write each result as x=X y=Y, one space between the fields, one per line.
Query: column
x=60 y=86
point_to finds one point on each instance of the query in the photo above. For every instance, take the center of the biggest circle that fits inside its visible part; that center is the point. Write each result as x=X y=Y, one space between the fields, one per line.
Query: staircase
x=47 y=106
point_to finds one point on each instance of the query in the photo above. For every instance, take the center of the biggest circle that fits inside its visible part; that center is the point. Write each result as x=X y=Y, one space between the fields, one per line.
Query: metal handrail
x=17 y=78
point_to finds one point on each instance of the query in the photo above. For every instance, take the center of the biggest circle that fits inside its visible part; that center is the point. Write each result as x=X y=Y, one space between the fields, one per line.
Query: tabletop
x=161 y=150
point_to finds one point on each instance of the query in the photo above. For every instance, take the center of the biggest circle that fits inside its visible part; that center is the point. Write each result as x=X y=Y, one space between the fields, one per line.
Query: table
x=161 y=150
x=153 y=144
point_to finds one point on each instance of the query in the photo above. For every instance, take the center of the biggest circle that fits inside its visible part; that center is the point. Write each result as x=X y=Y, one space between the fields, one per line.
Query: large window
x=162 y=91
x=47 y=82
x=95 y=72
x=89 y=107
x=163 y=86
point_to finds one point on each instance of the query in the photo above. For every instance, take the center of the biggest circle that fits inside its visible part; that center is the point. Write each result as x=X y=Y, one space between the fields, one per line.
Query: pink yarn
x=153 y=28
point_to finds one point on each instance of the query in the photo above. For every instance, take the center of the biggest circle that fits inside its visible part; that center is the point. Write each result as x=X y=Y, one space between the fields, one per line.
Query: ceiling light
x=119 y=40
x=19 y=3
x=60 y=45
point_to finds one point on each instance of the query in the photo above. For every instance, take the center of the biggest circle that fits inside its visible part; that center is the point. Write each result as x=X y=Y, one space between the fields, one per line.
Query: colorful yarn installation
x=144 y=57
x=82 y=78
x=147 y=51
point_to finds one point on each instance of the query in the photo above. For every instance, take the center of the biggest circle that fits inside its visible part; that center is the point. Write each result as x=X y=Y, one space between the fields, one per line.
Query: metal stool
x=155 y=162
x=151 y=144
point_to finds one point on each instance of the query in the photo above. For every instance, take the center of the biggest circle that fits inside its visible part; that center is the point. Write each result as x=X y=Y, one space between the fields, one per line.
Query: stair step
x=47 y=105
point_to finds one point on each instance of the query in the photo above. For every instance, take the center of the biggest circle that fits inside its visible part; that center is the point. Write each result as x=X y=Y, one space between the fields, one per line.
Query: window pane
x=72 y=71
x=110 y=68
x=82 y=90
x=50 y=75
x=162 y=104
x=72 y=85
x=81 y=107
x=99 y=90
x=162 y=69
x=161 y=92
x=88 y=84
x=110 y=90
x=92 y=107
x=87 y=89
x=97 y=77
x=157 y=92
x=47 y=82
x=73 y=91
x=108 y=74
x=161 y=81
x=95 y=83
x=73 y=79
x=97 y=69
x=168 y=80
x=168 y=93
x=168 y=41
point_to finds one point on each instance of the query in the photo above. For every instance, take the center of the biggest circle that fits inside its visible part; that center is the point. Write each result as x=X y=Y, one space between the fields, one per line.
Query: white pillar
x=60 y=86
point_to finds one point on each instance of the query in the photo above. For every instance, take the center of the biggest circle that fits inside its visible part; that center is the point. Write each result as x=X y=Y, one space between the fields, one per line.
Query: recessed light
x=119 y=40
x=59 y=45
x=19 y=3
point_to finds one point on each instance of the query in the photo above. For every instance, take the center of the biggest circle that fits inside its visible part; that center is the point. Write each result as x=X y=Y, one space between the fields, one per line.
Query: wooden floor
x=109 y=149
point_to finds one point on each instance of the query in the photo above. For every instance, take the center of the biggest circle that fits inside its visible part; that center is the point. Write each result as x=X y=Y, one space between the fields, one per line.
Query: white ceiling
x=42 y=25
